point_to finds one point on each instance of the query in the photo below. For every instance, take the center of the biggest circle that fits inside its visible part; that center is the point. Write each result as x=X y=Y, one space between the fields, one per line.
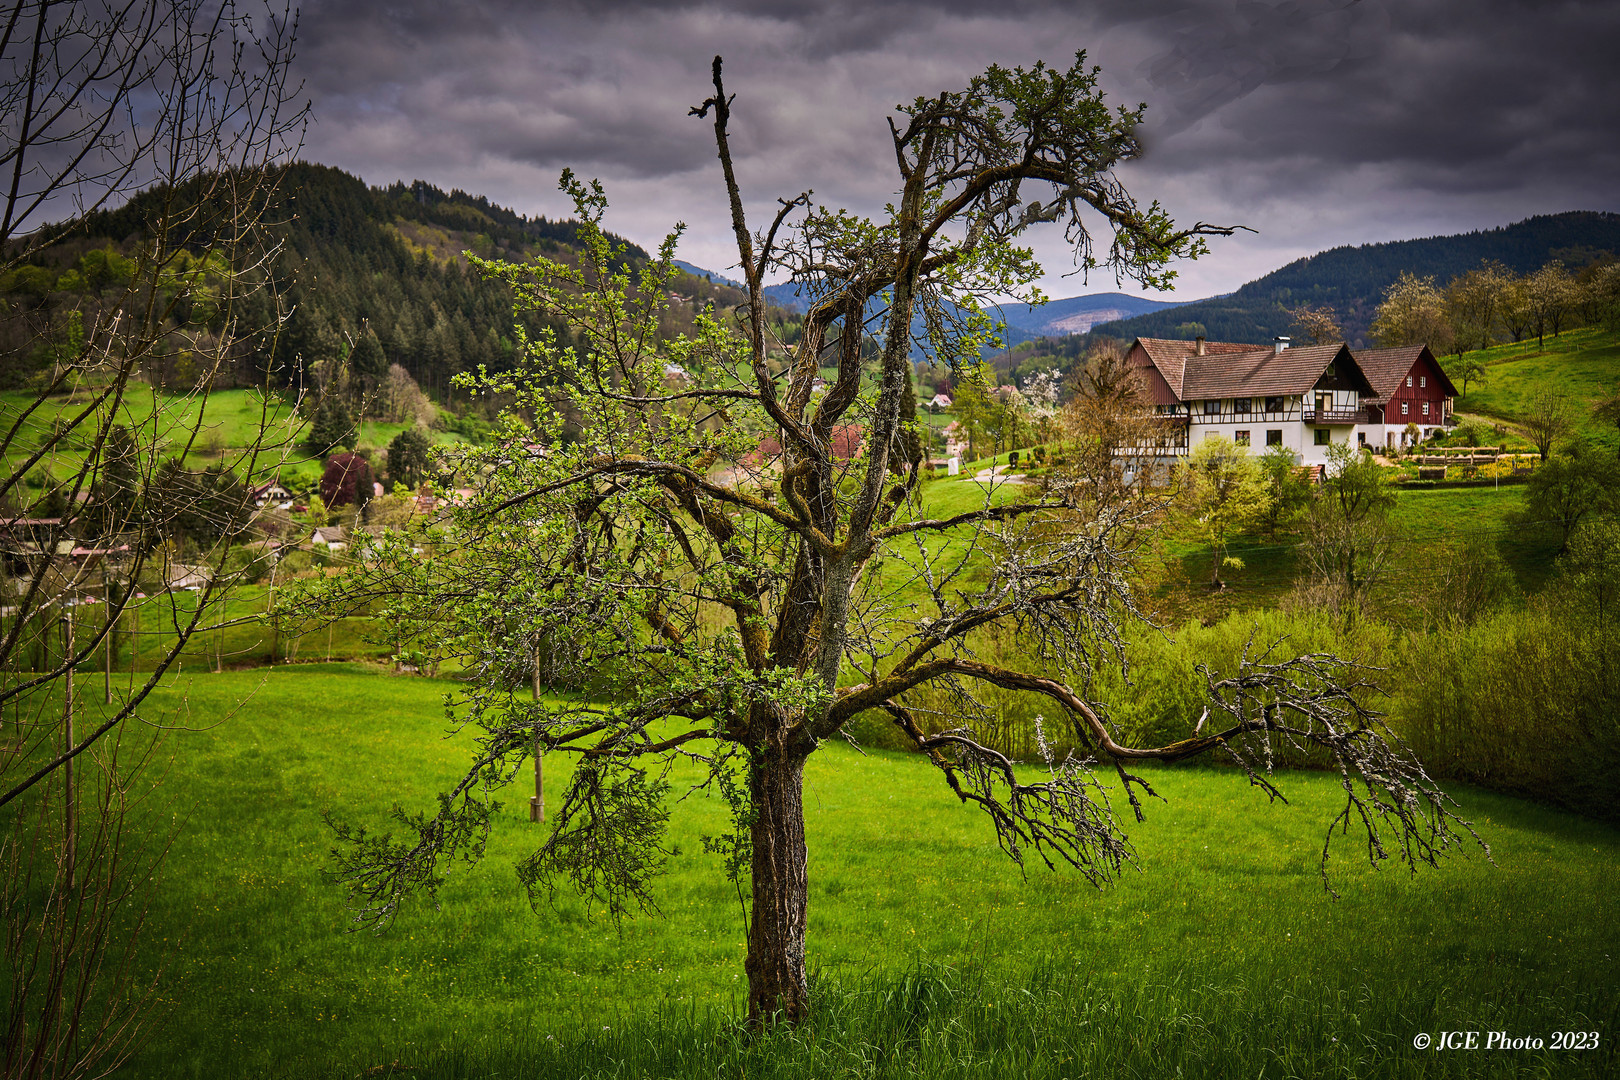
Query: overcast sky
x=1315 y=122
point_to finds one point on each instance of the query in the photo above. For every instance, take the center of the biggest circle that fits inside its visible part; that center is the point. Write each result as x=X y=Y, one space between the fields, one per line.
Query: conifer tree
x=332 y=426
x=409 y=457
x=368 y=360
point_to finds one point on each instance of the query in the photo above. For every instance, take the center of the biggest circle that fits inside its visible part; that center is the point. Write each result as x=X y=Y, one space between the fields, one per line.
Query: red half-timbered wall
x=1427 y=385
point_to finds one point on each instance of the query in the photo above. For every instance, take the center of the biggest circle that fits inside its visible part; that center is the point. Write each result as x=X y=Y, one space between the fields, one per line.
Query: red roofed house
x=1305 y=399
x=1410 y=388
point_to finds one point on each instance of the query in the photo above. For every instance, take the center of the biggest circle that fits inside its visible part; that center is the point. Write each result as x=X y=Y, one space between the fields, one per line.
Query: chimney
x=1198 y=345
x=1280 y=343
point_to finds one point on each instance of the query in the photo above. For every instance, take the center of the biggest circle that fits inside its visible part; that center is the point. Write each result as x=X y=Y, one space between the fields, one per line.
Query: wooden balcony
x=1314 y=415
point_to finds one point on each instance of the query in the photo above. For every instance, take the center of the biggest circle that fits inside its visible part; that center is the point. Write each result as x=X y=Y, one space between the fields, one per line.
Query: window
x=1211 y=408
x=1239 y=437
x=1406 y=407
x=1423 y=380
x=1241 y=405
x=1273 y=438
x=1425 y=413
x=1361 y=438
x=1323 y=437
x=1274 y=404
x=1408 y=383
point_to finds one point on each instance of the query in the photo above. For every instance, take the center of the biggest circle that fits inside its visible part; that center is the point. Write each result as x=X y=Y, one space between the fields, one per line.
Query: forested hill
x=384 y=257
x=1353 y=279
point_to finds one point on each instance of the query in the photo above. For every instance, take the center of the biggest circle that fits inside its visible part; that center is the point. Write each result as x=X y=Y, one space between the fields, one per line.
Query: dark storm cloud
x=1316 y=121
x=1458 y=97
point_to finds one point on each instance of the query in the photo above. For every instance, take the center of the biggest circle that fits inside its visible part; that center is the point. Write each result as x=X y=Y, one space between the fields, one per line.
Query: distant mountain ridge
x=1352 y=280
x=698 y=271
x=1055 y=318
x=1078 y=314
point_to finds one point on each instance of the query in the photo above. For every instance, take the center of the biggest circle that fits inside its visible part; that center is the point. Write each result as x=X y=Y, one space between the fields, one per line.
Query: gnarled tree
x=715 y=560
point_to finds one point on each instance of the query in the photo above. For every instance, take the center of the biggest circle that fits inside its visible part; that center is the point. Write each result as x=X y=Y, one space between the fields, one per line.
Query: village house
x=1306 y=398
x=272 y=493
x=329 y=538
x=1411 y=389
x=846 y=443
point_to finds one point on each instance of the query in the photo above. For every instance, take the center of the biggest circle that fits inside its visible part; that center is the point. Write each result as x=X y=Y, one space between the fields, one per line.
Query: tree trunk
x=775 y=964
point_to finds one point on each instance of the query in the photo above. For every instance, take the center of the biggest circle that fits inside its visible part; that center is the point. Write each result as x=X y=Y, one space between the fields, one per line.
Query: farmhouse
x=1305 y=399
x=329 y=537
x=272 y=493
x=1411 y=389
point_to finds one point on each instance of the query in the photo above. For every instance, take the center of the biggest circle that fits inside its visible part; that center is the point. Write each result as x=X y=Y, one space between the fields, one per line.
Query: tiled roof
x=1170 y=356
x=1264 y=372
x=1229 y=369
x=847 y=440
x=1385 y=368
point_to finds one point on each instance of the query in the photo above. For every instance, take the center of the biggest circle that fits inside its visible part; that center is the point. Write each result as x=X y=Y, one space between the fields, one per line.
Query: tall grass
x=1061 y=1020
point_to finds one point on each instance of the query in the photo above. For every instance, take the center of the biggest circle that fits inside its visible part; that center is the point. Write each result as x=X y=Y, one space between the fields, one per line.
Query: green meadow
x=1221 y=954
x=1585 y=363
x=227 y=424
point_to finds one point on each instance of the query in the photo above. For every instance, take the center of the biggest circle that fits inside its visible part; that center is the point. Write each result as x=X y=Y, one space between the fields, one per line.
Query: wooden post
x=270 y=610
x=70 y=821
x=106 y=599
x=537 y=804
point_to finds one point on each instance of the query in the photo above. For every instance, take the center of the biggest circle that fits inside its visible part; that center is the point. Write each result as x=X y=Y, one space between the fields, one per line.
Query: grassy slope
x=232 y=419
x=1584 y=362
x=1229 y=922
x=1426 y=518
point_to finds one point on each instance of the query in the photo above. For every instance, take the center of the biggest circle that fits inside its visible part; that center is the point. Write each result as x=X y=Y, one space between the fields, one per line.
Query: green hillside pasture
x=1224 y=956
x=1453 y=515
x=233 y=417
x=1427 y=520
x=231 y=423
x=1585 y=363
x=148 y=627
x=944 y=497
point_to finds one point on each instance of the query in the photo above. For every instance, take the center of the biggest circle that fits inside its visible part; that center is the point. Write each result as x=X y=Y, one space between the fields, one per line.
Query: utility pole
x=134 y=639
x=70 y=820
x=270 y=610
x=106 y=599
x=537 y=804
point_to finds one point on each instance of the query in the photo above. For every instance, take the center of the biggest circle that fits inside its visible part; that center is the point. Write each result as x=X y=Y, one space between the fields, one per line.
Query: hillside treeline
x=350 y=261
